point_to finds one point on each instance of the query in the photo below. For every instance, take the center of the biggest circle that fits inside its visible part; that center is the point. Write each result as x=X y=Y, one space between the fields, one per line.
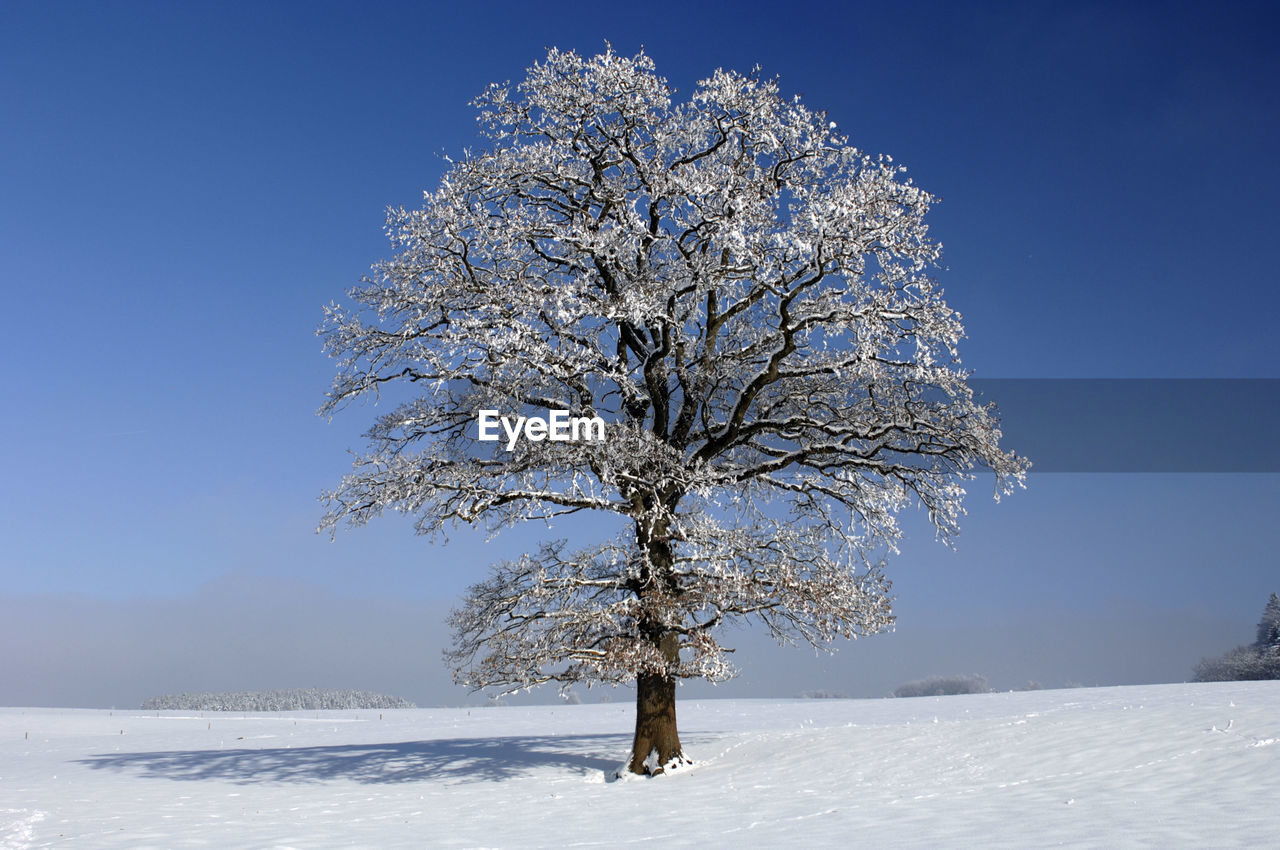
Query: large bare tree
x=743 y=297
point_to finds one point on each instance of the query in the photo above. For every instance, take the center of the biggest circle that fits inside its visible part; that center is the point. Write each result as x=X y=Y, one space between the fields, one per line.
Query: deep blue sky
x=182 y=186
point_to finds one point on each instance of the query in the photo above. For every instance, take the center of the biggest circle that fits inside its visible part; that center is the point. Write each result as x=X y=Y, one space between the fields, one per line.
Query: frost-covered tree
x=297 y=699
x=1259 y=660
x=1242 y=664
x=743 y=297
x=940 y=686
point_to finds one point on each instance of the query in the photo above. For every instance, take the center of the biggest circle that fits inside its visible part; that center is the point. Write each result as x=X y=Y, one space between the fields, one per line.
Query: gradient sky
x=183 y=185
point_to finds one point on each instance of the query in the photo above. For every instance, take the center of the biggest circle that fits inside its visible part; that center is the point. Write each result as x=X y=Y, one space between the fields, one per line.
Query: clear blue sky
x=183 y=185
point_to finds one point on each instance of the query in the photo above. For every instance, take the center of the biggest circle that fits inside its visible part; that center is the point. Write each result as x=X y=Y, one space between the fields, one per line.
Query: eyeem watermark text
x=559 y=426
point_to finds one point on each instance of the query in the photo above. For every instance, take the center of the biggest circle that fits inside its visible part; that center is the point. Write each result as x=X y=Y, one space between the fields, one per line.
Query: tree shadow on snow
x=456 y=759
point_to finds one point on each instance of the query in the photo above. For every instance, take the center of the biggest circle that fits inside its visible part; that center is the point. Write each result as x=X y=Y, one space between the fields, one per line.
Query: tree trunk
x=657 y=743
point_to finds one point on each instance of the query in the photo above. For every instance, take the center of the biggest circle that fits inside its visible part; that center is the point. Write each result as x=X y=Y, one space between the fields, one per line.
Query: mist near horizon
x=245 y=633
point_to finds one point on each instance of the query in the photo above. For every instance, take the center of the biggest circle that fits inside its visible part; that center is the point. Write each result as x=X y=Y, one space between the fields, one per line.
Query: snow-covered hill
x=1162 y=766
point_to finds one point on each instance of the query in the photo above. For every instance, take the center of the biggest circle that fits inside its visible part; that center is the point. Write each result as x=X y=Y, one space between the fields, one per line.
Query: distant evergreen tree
x=1269 y=625
x=1260 y=660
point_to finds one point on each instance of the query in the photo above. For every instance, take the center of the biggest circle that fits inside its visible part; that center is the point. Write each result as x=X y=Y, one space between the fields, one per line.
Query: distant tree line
x=941 y=686
x=1258 y=660
x=296 y=699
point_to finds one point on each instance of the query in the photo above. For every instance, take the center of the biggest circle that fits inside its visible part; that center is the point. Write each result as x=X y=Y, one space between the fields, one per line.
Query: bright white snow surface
x=1159 y=766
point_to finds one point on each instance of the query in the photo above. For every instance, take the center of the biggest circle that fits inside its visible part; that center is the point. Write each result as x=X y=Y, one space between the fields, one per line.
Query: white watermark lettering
x=559 y=426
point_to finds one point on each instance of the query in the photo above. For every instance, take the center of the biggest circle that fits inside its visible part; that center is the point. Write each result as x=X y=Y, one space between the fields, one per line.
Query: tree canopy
x=742 y=295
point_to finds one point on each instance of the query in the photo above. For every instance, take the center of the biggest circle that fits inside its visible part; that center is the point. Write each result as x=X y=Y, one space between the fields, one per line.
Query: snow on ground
x=1160 y=766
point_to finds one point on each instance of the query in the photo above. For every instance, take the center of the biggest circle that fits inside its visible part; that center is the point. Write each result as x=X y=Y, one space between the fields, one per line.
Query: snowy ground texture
x=1156 y=766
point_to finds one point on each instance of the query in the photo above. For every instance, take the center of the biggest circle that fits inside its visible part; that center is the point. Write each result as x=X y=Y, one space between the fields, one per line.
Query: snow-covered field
x=1159 y=766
